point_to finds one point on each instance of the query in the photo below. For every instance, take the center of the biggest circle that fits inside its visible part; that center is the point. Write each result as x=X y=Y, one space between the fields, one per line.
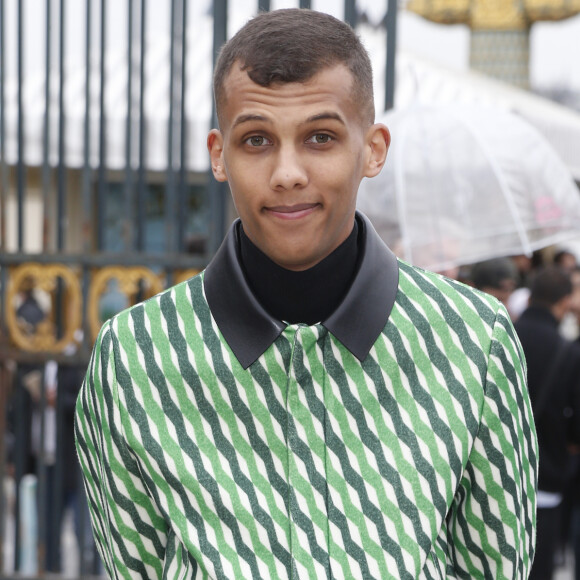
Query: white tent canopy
x=416 y=80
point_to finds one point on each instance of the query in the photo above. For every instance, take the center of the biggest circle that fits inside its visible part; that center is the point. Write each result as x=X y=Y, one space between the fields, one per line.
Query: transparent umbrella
x=464 y=184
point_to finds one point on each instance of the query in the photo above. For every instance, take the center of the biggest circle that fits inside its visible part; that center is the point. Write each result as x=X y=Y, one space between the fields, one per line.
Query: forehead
x=330 y=90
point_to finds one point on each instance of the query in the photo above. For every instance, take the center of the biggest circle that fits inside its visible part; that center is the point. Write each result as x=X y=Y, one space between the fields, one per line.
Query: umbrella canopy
x=468 y=183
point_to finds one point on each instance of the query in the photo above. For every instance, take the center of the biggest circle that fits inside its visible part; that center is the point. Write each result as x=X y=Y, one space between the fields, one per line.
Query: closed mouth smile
x=292 y=212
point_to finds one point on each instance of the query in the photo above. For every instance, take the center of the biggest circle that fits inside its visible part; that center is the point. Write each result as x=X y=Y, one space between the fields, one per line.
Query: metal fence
x=105 y=199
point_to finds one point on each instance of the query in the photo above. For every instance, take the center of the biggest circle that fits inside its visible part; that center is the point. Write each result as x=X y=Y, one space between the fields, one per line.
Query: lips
x=292 y=212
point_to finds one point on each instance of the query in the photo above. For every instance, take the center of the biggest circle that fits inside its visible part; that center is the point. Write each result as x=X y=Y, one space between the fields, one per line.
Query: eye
x=257 y=141
x=319 y=139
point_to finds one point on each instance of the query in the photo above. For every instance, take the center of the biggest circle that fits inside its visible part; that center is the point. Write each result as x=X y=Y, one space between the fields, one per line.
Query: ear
x=378 y=140
x=215 y=146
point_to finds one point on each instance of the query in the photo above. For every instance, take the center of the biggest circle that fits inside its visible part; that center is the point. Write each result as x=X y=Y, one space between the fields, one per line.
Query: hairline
x=366 y=108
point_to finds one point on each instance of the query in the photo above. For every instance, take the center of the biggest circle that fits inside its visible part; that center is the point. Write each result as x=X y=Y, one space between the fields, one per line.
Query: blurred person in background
x=41 y=436
x=566 y=260
x=571 y=525
x=26 y=388
x=497 y=277
x=570 y=325
x=64 y=485
x=526 y=267
x=554 y=384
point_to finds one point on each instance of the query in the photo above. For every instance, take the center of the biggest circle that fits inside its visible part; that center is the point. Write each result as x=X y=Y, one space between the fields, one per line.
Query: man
x=308 y=407
x=554 y=380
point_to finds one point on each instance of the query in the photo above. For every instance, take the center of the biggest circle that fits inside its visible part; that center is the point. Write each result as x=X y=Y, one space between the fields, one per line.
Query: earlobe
x=215 y=146
x=378 y=141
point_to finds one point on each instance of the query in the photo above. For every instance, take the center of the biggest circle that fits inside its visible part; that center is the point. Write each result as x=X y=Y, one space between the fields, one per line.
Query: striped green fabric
x=419 y=462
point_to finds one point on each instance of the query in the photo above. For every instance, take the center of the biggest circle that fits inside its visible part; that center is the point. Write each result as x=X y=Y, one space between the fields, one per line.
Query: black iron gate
x=105 y=199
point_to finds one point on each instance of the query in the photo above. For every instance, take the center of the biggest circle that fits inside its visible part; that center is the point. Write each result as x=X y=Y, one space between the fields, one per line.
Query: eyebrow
x=318 y=117
x=249 y=117
x=324 y=116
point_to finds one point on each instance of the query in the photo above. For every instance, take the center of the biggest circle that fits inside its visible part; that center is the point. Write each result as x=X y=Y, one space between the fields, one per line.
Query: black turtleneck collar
x=306 y=296
x=248 y=327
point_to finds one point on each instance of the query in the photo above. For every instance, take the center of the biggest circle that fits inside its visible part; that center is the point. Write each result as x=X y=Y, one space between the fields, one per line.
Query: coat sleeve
x=129 y=530
x=491 y=525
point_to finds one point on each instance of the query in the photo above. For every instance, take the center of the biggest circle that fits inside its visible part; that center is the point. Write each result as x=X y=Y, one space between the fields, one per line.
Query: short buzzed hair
x=293 y=45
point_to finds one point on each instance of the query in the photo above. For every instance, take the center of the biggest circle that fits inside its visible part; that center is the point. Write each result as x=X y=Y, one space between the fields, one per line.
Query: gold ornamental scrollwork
x=131 y=281
x=42 y=337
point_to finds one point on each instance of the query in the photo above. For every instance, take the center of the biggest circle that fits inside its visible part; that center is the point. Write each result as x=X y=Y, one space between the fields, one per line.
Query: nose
x=288 y=171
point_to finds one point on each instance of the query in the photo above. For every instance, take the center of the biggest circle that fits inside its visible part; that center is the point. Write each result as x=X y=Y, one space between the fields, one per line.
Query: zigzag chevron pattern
x=419 y=462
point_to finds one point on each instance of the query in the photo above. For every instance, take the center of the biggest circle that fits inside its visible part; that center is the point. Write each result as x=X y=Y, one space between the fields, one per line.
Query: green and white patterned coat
x=418 y=462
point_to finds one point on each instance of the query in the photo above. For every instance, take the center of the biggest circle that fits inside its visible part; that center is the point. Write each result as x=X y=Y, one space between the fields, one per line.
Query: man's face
x=294 y=155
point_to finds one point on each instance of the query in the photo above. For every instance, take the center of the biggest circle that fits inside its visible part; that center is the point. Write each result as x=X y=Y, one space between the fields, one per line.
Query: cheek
x=244 y=182
x=341 y=182
x=337 y=175
x=347 y=168
x=248 y=170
